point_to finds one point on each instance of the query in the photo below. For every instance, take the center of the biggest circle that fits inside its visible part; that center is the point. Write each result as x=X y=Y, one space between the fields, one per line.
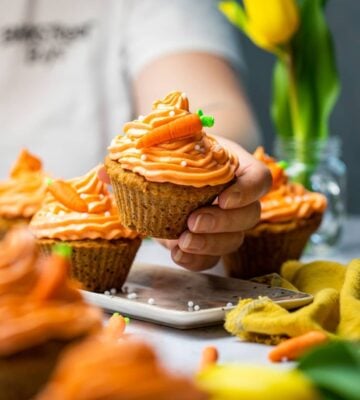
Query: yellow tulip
x=271 y=22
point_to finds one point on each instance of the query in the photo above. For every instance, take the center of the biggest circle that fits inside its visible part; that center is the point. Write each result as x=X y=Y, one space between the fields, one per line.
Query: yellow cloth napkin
x=335 y=309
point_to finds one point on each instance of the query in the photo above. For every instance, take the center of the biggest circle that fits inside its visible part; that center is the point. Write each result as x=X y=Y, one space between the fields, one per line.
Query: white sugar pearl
x=113 y=291
x=143 y=157
x=190 y=303
x=151 y=301
x=85 y=215
x=197 y=147
x=183 y=95
x=82 y=195
x=107 y=293
x=183 y=163
x=172 y=113
x=132 y=296
x=61 y=213
x=107 y=214
x=196 y=307
x=229 y=304
x=141 y=118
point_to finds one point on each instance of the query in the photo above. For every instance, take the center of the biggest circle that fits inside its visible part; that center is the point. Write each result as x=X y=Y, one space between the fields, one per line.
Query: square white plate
x=171 y=290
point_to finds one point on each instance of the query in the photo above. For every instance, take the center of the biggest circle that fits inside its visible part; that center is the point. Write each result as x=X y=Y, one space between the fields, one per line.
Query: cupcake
x=21 y=195
x=289 y=215
x=106 y=367
x=165 y=166
x=82 y=213
x=39 y=316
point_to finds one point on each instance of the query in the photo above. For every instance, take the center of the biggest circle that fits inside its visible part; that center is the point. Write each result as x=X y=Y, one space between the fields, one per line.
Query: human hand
x=219 y=229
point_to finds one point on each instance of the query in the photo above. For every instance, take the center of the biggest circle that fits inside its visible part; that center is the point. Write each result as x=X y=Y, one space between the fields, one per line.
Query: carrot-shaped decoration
x=181 y=128
x=209 y=357
x=54 y=274
x=67 y=195
x=115 y=327
x=293 y=348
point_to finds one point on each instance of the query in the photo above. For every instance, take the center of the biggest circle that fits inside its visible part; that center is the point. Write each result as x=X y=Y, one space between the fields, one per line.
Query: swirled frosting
x=26 y=318
x=57 y=221
x=126 y=369
x=18 y=257
x=287 y=201
x=21 y=195
x=196 y=161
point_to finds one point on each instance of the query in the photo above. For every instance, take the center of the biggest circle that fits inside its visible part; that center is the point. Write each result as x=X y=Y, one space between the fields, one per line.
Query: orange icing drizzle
x=123 y=369
x=27 y=319
x=286 y=201
x=194 y=161
x=21 y=195
x=57 y=221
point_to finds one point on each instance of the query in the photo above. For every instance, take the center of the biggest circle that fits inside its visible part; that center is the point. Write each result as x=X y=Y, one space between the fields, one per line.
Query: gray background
x=343 y=17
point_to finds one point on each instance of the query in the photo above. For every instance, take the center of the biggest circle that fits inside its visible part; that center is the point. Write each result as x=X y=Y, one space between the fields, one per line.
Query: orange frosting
x=21 y=195
x=18 y=257
x=56 y=220
x=124 y=369
x=45 y=305
x=286 y=201
x=194 y=161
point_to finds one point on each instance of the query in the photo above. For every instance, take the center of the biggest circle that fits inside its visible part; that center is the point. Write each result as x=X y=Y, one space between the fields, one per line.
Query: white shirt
x=66 y=65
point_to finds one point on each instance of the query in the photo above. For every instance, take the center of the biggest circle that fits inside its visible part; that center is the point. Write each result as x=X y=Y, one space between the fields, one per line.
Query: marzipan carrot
x=116 y=326
x=209 y=357
x=54 y=275
x=293 y=348
x=25 y=162
x=181 y=128
x=67 y=195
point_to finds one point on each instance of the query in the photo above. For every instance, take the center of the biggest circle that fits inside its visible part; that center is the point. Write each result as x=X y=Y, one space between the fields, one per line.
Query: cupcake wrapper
x=156 y=209
x=98 y=264
x=23 y=374
x=265 y=250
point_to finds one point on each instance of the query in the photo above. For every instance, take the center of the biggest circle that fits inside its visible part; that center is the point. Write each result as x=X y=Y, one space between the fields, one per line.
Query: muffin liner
x=98 y=264
x=268 y=246
x=24 y=374
x=156 y=209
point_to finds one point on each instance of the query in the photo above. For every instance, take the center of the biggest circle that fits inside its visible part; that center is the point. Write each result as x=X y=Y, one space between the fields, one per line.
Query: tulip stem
x=293 y=96
x=301 y=152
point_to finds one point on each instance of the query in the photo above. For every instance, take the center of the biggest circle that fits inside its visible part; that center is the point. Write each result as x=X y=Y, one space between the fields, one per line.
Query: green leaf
x=315 y=73
x=234 y=13
x=334 y=369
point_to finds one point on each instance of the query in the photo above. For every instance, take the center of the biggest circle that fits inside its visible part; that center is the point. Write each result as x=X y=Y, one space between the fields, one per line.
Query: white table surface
x=180 y=350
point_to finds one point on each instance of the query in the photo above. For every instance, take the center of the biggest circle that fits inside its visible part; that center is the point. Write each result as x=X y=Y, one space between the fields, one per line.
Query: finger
x=215 y=220
x=169 y=244
x=103 y=176
x=193 y=262
x=252 y=182
x=215 y=244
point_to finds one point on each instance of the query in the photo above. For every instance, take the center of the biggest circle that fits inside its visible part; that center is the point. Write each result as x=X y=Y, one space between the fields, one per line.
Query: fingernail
x=233 y=200
x=204 y=222
x=180 y=256
x=192 y=242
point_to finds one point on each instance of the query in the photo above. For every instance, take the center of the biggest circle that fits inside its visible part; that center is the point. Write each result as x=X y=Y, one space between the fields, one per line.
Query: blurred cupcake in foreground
x=82 y=213
x=289 y=215
x=165 y=166
x=21 y=195
x=108 y=367
x=41 y=313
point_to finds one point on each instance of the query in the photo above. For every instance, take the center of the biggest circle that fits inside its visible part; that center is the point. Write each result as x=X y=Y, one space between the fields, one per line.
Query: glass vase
x=318 y=166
